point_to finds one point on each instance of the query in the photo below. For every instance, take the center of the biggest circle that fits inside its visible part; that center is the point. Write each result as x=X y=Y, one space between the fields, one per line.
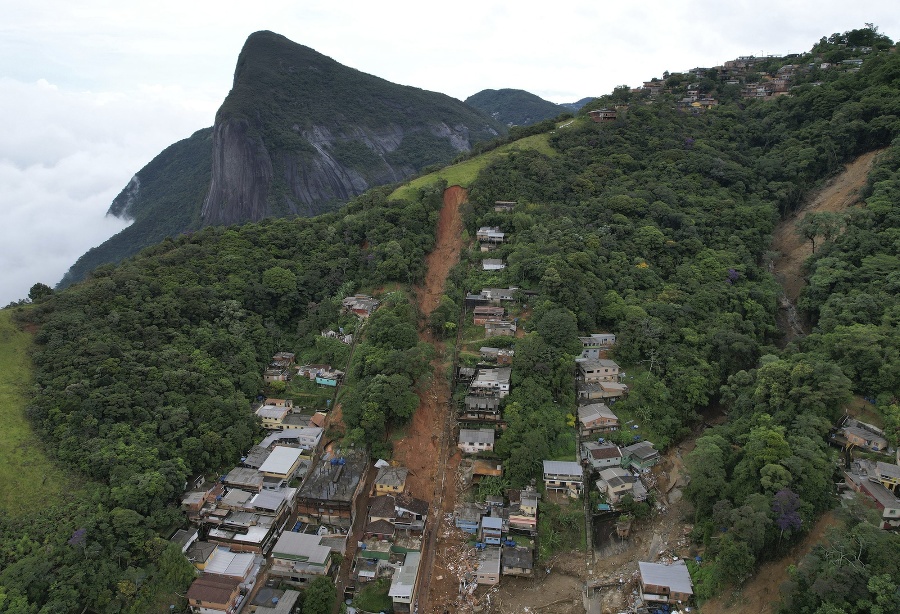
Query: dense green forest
x=655 y=227
x=515 y=107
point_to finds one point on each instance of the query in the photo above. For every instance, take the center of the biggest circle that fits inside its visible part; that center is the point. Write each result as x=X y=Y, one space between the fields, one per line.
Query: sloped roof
x=675 y=576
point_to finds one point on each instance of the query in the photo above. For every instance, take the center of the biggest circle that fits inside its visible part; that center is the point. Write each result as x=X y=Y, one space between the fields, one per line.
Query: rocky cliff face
x=300 y=133
x=251 y=182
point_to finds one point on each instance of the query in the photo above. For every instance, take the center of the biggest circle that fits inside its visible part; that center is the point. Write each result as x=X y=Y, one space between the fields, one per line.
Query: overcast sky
x=91 y=91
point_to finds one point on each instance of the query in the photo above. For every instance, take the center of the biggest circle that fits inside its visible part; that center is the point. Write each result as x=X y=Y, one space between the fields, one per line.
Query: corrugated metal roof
x=675 y=576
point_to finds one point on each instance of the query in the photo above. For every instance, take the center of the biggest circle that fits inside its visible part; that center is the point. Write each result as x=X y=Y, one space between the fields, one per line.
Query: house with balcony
x=299 y=558
x=473 y=441
x=563 y=476
x=596 y=418
x=591 y=370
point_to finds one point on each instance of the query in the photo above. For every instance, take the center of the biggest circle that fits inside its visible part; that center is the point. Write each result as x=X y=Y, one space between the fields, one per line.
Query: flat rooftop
x=335 y=482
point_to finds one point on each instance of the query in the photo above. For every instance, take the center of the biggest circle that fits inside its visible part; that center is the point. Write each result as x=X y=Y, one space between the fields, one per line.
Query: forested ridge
x=655 y=227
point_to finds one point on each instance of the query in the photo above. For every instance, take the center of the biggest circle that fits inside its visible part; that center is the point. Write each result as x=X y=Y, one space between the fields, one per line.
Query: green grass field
x=28 y=479
x=464 y=173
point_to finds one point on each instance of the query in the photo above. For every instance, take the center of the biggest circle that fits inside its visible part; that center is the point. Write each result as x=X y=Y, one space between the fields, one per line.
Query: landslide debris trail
x=840 y=193
x=426 y=448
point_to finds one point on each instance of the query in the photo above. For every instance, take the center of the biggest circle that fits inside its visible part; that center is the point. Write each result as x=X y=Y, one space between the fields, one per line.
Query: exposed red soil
x=839 y=193
x=426 y=448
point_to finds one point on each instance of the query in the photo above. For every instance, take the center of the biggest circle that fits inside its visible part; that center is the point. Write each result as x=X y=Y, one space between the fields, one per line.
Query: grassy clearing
x=464 y=173
x=28 y=480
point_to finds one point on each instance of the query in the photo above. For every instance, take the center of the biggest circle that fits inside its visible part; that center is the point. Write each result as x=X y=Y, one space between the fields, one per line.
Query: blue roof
x=489 y=522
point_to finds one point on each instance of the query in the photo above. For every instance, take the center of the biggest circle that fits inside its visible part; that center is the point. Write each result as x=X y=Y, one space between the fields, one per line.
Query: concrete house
x=328 y=495
x=491 y=382
x=272 y=416
x=492 y=264
x=472 y=441
x=488 y=571
x=500 y=328
x=596 y=418
x=641 y=456
x=504 y=206
x=467 y=517
x=600 y=391
x=405 y=582
x=602 y=115
x=281 y=465
x=592 y=346
x=298 y=558
x=516 y=561
x=390 y=480
x=616 y=482
x=211 y=594
x=665 y=583
x=523 y=515
x=491 y=530
x=483 y=314
x=879 y=482
x=564 y=476
x=864 y=438
x=489 y=237
x=597 y=370
x=361 y=304
x=601 y=455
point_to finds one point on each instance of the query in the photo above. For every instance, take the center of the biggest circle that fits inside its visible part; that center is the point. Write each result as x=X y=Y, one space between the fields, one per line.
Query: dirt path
x=760 y=594
x=840 y=193
x=426 y=449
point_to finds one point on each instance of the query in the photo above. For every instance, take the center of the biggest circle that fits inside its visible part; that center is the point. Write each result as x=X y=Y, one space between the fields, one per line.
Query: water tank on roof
x=342 y=461
x=334 y=461
x=274 y=600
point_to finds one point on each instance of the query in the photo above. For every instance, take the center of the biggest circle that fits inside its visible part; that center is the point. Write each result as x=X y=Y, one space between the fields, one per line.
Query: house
x=273 y=601
x=200 y=554
x=272 y=416
x=211 y=594
x=289 y=403
x=245 y=479
x=602 y=115
x=592 y=346
x=472 y=441
x=411 y=514
x=276 y=374
x=877 y=481
x=483 y=314
x=864 y=438
x=467 y=517
x=360 y=304
x=601 y=455
x=298 y=558
x=244 y=531
x=491 y=530
x=284 y=359
x=489 y=237
x=516 y=561
x=500 y=328
x=184 y=538
x=523 y=514
x=616 y=482
x=405 y=582
x=328 y=494
x=492 y=264
x=390 y=480
x=310 y=371
x=306 y=438
x=497 y=355
x=281 y=465
x=596 y=418
x=504 y=206
x=195 y=501
x=488 y=571
x=600 y=391
x=597 y=370
x=641 y=456
x=242 y=566
x=465 y=374
x=563 y=476
x=497 y=296
x=665 y=583
x=479 y=407
x=491 y=382
x=331 y=377
x=486 y=469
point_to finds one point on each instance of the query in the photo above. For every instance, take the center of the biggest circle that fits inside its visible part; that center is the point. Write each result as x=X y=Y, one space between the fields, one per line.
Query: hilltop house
x=489 y=237
x=592 y=346
x=504 y=206
x=602 y=115
x=500 y=328
x=864 y=438
x=360 y=304
x=878 y=481
x=492 y=264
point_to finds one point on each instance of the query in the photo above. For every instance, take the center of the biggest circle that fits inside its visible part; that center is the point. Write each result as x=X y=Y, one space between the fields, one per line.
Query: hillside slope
x=514 y=107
